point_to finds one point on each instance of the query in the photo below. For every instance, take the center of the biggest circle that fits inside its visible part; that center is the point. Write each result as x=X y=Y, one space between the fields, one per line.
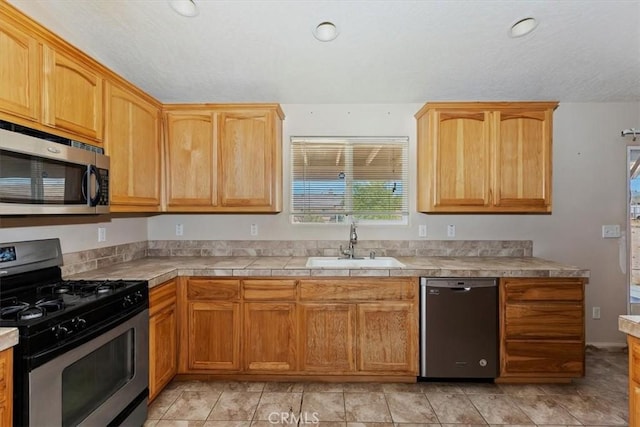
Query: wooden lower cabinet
x=541 y=329
x=279 y=326
x=270 y=336
x=163 y=339
x=6 y=387
x=214 y=335
x=327 y=337
x=387 y=337
x=634 y=380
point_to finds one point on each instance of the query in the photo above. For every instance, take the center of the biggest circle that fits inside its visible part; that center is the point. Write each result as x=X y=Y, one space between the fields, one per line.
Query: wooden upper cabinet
x=21 y=72
x=73 y=95
x=485 y=157
x=523 y=159
x=246 y=159
x=224 y=158
x=191 y=161
x=132 y=140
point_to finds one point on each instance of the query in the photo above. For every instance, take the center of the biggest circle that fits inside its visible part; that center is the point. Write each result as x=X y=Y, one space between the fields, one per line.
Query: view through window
x=335 y=180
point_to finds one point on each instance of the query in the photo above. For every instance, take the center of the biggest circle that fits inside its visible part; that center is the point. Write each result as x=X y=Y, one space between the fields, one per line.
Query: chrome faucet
x=353 y=239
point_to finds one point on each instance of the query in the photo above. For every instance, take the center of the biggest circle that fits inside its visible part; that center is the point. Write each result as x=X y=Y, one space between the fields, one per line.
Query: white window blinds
x=365 y=178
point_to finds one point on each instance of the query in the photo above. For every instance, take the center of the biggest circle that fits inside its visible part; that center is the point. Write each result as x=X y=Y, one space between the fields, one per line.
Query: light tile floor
x=599 y=399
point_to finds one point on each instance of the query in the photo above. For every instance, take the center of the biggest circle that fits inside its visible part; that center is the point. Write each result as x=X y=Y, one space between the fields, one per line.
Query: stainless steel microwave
x=40 y=177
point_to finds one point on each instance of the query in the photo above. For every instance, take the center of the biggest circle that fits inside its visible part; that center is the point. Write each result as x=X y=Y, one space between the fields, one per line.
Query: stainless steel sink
x=335 y=262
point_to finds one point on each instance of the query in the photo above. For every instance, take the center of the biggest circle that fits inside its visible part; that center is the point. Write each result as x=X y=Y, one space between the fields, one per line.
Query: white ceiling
x=388 y=51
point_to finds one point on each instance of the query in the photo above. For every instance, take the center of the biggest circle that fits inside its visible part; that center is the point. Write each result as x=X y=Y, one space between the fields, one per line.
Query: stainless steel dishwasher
x=458 y=328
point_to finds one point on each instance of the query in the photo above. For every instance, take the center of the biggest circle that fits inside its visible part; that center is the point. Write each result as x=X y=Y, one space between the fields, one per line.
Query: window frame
x=349 y=215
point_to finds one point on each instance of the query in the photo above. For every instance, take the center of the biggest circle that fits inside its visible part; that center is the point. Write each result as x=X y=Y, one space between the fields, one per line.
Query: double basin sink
x=336 y=262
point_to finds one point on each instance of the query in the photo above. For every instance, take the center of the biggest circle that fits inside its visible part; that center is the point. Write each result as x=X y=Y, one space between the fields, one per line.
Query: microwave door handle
x=93 y=171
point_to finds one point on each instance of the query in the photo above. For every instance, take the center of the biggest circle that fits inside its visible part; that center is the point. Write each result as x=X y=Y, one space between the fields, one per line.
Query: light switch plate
x=610 y=231
x=422 y=230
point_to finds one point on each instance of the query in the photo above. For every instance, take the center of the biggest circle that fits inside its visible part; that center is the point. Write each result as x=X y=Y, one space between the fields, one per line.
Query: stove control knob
x=60 y=331
x=126 y=302
x=79 y=323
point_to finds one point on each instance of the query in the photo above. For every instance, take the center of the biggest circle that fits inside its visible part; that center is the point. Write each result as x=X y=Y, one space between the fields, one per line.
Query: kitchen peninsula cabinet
x=634 y=379
x=485 y=157
x=163 y=339
x=132 y=140
x=210 y=325
x=21 y=71
x=72 y=95
x=6 y=387
x=541 y=329
x=224 y=158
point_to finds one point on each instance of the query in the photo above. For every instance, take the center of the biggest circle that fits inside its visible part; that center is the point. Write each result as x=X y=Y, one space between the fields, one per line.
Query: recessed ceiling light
x=184 y=7
x=523 y=27
x=326 y=31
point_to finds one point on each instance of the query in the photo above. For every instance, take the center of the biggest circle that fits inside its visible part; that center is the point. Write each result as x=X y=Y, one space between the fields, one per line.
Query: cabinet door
x=387 y=337
x=327 y=335
x=213 y=335
x=72 y=96
x=132 y=140
x=21 y=72
x=6 y=387
x=247 y=159
x=163 y=357
x=191 y=161
x=523 y=159
x=163 y=336
x=270 y=336
x=461 y=149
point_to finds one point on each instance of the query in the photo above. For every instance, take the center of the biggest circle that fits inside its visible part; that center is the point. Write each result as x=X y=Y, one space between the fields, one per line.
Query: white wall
x=79 y=237
x=589 y=186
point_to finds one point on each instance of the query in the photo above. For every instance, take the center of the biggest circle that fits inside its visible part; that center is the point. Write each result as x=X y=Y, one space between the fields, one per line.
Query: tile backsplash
x=78 y=262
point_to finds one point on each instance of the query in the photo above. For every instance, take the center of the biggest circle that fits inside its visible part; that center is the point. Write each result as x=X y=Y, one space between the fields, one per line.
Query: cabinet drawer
x=269 y=290
x=213 y=289
x=543 y=358
x=162 y=296
x=544 y=321
x=358 y=289
x=543 y=289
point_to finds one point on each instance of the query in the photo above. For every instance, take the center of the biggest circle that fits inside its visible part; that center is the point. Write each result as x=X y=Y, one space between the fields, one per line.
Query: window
x=333 y=178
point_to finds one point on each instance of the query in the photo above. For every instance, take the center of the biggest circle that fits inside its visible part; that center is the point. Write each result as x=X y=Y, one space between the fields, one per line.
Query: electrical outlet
x=422 y=230
x=595 y=312
x=451 y=230
x=179 y=229
x=102 y=234
x=254 y=229
x=610 y=231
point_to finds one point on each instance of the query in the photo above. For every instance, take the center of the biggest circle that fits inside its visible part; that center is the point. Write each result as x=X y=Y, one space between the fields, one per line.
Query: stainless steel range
x=82 y=355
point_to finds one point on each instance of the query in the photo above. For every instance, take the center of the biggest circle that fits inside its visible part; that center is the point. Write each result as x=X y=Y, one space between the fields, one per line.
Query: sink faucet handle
x=372 y=254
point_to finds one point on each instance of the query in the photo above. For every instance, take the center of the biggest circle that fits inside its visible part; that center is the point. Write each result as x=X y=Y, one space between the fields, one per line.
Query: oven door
x=101 y=382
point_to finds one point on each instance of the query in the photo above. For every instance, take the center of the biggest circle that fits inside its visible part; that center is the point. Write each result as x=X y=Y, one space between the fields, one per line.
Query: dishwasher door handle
x=463 y=289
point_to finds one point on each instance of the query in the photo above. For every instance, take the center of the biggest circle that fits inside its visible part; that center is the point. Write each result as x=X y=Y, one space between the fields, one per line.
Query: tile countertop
x=157 y=270
x=8 y=338
x=629 y=325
